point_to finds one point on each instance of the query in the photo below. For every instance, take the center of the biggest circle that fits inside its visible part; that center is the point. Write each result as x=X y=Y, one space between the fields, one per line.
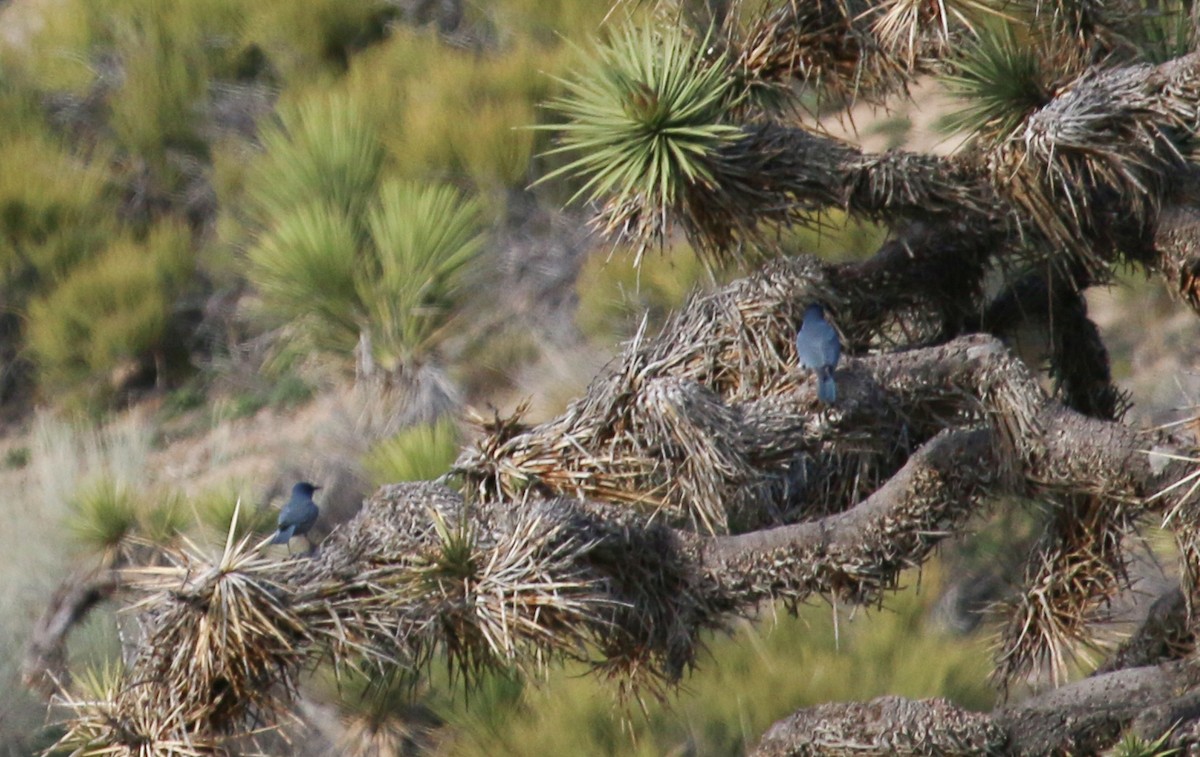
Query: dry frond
x=829 y=45
x=1183 y=504
x=908 y=29
x=112 y=718
x=1096 y=150
x=391 y=737
x=1183 y=518
x=660 y=431
x=381 y=717
x=224 y=636
x=1074 y=573
x=513 y=593
x=491 y=595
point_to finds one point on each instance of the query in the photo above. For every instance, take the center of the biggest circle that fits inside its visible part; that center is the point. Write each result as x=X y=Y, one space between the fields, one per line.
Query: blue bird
x=818 y=348
x=298 y=515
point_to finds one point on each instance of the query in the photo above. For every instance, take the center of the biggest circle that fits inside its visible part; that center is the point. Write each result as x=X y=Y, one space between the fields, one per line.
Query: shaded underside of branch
x=1084 y=717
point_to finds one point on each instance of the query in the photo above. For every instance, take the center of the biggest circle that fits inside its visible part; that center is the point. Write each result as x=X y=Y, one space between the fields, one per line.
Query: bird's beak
x=316 y=487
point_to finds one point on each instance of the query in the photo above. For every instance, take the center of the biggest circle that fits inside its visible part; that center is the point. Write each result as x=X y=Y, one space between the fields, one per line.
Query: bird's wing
x=831 y=349
x=291 y=514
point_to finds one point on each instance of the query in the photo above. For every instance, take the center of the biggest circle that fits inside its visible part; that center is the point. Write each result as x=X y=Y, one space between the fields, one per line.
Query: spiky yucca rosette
x=225 y=638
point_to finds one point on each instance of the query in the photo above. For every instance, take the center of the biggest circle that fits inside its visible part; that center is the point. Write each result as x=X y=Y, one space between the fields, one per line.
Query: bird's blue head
x=304 y=489
x=814 y=311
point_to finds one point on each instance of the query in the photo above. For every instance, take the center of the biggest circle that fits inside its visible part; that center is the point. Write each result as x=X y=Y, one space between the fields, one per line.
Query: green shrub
x=305 y=39
x=548 y=22
x=190 y=396
x=443 y=111
x=237 y=406
x=55 y=210
x=111 y=310
x=164 y=81
x=16 y=458
x=420 y=453
x=52 y=51
x=469 y=114
x=288 y=391
x=210 y=32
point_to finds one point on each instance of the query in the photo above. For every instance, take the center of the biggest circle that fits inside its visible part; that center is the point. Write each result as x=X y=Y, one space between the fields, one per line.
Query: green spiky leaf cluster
x=350 y=261
x=106 y=513
x=215 y=509
x=420 y=453
x=1000 y=81
x=323 y=150
x=423 y=237
x=648 y=114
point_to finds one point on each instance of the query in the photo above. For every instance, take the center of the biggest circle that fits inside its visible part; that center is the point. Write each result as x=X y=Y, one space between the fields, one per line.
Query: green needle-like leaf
x=1000 y=80
x=645 y=119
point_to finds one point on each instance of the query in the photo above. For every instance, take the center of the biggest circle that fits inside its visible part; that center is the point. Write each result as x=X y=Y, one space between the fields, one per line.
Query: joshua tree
x=699 y=476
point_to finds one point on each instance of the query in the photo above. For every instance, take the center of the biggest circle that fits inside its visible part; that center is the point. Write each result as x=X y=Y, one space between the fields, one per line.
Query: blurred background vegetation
x=244 y=242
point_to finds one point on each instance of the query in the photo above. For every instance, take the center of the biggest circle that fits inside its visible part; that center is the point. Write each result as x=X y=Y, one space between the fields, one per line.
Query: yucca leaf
x=420 y=453
x=103 y=514
x=304 y=266
x=422 y=238
x=1000 y=81
x=322 y=150
x=645 y=115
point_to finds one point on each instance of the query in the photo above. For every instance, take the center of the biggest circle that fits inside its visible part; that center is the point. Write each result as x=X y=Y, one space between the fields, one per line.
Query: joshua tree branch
x=1164 y=635
x=1080 y=718
x=44 y=668
x=1177 y=240
x=775 y=174
x=549 y=576
x=837 y=532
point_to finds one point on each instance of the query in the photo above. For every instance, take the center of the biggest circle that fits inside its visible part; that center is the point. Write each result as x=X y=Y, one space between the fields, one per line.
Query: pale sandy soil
x=908 y=122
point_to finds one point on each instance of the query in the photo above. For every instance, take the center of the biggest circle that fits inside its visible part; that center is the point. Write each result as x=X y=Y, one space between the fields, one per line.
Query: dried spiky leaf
x=1073 y=574
x=109 y=717
x=224 y=631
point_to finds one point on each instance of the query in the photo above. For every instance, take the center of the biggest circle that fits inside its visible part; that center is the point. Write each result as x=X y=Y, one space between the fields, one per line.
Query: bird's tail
x=282 y=536
x=826 y=386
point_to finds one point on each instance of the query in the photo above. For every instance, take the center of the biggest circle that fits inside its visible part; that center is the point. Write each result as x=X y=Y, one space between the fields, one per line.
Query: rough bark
x=1084 y=717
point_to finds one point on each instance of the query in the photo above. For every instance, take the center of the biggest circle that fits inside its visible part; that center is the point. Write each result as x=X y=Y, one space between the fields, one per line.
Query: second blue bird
x=298 y=515
x=818 y=348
